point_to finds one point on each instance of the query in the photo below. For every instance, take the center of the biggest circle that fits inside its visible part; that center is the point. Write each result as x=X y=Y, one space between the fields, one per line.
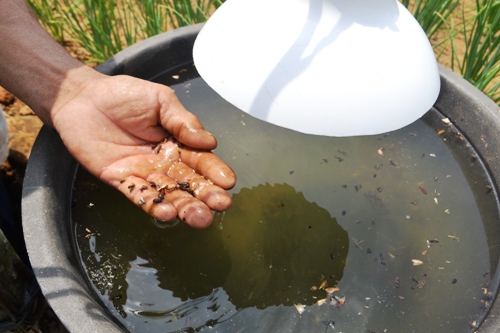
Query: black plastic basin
x=46 y=205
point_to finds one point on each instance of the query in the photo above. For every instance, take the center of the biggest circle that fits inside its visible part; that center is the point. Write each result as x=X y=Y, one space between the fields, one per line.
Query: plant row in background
x=104 y=27
x=477 y=29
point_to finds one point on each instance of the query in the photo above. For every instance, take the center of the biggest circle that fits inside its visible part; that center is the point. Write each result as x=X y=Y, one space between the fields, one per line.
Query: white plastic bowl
x=325 y=67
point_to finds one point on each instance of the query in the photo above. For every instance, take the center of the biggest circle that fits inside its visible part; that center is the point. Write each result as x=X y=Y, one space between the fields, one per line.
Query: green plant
x=187 y=12
x=478 y=28
x=431 y=14
x=479 y=62
x=50 y=17
x=104 y=27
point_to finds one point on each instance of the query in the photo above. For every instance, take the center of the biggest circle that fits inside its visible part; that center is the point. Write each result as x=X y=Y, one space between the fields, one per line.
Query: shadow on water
x=280 y=245
x=263 y=254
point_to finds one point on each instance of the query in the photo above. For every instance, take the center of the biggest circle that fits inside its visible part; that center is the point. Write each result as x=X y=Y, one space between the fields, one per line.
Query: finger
x=190 y=210
x=140 y=192
x=181 y=123
x=201 y=188
x=210 y=166
x=196 y=213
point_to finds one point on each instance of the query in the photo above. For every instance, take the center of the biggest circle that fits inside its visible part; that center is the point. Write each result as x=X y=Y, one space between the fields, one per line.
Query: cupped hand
x=136 y=136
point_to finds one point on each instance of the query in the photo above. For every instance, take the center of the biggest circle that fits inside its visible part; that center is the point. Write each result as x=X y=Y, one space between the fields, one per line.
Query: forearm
x=32 y=65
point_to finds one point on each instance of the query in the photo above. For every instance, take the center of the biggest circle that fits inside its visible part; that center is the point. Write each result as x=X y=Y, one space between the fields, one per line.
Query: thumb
x=184 y=125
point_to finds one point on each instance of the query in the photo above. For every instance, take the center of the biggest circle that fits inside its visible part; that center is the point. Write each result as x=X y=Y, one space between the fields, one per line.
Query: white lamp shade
x=325 y=67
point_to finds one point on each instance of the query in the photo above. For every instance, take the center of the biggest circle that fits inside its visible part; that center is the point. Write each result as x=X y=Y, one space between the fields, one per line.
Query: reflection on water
x=352 y=211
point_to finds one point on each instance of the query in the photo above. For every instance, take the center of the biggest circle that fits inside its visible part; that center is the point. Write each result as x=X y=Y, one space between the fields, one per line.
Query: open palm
x=137 y=137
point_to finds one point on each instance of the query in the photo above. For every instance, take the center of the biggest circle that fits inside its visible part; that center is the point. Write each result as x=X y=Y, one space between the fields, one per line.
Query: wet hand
x=136 y=136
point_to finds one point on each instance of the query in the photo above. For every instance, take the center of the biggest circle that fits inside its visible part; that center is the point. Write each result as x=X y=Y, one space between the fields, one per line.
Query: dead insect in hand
x=185 y=187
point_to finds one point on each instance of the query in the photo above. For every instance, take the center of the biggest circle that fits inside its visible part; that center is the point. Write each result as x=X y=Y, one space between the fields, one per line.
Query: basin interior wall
x=46 y=206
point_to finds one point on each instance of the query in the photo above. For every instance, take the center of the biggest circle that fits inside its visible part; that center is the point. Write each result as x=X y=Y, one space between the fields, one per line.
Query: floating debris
x=314 y=288
x=446 y=121
x=422 y=190
x=342 y=152
x=323 y=284
x=431 y=241
x=332 y=290
x=328 y=323
x=455 y=238
x=380 y=152
x=397 y=282
x=418 y=284
x=453 y=281
x=381 y=257
x=356 y=243
x=321 y=302
x=489 y=189
x=417 y=262
x=436 y=201
x=337 y=301
x=300 y=308
x=441 y=132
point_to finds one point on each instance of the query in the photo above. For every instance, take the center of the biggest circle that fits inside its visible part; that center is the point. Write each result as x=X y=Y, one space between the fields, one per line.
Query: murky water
x=348 y=212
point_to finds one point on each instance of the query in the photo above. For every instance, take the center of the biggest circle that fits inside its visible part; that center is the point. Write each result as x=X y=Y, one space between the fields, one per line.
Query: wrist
x=74 y=82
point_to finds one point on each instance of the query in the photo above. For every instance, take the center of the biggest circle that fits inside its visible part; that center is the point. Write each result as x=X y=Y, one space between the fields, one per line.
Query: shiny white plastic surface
x=325 y=67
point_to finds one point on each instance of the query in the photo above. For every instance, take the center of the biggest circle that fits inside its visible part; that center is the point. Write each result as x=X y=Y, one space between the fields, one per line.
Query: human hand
x=137 y=137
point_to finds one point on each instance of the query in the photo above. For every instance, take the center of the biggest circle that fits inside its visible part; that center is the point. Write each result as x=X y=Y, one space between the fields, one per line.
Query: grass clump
x=104 y=27
x=472 y=38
